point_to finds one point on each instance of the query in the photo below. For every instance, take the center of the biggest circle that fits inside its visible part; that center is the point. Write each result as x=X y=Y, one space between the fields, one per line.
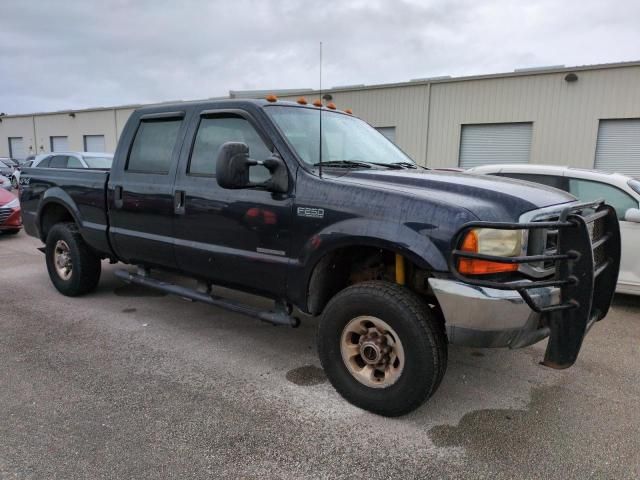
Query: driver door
x=230 y=237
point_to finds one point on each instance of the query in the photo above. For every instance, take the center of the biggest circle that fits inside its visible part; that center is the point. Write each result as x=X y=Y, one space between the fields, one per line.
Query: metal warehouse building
x=586 y=116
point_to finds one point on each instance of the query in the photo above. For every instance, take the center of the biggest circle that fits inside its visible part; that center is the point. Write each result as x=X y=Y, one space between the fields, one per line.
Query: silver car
x=95 y=160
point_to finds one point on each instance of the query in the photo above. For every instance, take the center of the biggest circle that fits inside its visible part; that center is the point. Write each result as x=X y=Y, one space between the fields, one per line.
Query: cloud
x=77 y=54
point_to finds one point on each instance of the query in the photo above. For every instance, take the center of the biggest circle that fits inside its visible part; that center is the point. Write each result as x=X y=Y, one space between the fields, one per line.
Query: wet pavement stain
x=306 y=376
x=129 y=310
x=554 y=427
x=134 y=290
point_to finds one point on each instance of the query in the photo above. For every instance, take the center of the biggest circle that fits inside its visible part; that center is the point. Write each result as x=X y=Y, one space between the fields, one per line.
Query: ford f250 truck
x=313 y=208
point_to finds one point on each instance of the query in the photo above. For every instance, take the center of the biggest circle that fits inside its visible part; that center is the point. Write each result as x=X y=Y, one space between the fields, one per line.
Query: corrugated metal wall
x=565 y=115
x=428 y=116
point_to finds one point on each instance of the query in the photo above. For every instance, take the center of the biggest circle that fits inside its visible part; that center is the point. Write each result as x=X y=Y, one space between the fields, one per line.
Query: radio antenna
x=320 y=124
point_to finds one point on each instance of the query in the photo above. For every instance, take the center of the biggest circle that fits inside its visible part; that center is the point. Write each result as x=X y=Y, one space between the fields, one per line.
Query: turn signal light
x=474 y=266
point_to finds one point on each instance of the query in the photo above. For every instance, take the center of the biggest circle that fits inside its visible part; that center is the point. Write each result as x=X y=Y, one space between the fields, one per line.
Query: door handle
x=178 y=202
x=117 y=194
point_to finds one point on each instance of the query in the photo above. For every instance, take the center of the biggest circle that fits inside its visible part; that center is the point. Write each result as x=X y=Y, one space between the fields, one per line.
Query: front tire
x=382 y=348
x=74 y=269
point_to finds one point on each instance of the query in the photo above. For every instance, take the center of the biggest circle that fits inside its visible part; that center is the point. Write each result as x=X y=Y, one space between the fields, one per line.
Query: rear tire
x=74 y=269
x=382 y=347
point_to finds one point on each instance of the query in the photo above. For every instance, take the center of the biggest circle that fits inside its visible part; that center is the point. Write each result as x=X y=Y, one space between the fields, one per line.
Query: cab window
x=153 y=145
x=213 y=132
x=587 y=191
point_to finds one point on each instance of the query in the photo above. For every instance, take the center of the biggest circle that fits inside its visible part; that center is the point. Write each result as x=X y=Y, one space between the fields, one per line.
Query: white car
x=67 y=160
x=619 y=191
x=5 y=183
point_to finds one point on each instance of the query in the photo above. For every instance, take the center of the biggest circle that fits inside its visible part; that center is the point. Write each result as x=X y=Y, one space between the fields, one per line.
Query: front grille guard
x=586 y=289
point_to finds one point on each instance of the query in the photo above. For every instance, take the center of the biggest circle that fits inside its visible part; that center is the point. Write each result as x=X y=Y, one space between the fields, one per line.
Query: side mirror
x=632 y=215
x=233 y=164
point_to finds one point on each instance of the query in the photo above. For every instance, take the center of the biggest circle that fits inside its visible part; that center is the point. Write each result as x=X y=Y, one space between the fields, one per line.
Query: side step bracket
x=281 y=315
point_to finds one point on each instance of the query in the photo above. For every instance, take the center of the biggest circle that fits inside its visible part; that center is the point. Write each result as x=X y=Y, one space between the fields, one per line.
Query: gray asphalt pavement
x=127 y=383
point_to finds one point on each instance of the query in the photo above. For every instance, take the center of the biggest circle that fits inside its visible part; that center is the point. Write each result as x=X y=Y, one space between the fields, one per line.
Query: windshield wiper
x=343 y=164
x=407 y=165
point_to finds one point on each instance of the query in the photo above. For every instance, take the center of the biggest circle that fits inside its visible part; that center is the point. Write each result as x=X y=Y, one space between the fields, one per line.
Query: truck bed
x=84 y=193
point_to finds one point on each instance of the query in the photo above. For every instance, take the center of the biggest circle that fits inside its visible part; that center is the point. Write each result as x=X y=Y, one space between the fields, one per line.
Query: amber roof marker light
x=331 y=106
x=271 y=98
x=302 y=101
x=348 y=111
x=317 y=103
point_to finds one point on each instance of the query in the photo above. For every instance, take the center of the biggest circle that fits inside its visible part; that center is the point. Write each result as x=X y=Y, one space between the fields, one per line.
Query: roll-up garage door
x=16 y=148
x=618 y=147
x=495 y=143
x=59 y=144
x=94 y=143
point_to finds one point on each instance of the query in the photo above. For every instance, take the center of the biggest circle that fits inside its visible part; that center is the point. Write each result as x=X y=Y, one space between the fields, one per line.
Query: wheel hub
x=372 y=352
x=62 y=259
x=374 y=348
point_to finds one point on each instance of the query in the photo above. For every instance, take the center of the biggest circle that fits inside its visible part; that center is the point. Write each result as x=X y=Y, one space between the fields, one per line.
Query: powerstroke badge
x=311 y=212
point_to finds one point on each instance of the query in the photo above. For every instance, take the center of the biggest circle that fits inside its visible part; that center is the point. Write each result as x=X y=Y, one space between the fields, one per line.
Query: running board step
x=279 y=316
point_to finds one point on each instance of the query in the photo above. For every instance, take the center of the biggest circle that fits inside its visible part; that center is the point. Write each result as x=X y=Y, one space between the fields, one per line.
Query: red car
x=10 y=218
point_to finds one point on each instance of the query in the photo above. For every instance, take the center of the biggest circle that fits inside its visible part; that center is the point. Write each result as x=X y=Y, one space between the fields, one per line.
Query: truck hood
x=488 y=197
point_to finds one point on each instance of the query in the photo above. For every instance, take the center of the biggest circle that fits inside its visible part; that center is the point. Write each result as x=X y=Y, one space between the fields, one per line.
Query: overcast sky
x=76 y=54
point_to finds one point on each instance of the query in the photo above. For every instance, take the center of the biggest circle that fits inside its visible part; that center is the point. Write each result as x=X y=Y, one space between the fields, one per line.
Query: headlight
x=490 y=241
x=15 y=203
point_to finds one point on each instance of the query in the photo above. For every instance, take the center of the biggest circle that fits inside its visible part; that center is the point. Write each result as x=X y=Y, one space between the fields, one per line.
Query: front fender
x=396 y=237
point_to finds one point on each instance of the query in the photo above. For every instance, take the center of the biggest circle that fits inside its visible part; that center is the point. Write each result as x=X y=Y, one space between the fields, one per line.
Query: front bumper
x=562 y=305
x=10 y=219
x=488 y=317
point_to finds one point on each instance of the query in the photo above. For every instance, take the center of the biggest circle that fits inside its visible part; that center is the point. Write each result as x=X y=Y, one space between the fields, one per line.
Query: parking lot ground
x=128 y=383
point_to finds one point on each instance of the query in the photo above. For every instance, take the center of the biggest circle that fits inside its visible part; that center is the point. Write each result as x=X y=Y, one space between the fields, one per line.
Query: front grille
x=597 y=231
x=545 y=242
x=4 y=213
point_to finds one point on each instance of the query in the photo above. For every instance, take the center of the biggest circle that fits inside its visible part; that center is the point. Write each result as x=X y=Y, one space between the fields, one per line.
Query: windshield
x=635 y=185
x=98 y=162
x=344 y=138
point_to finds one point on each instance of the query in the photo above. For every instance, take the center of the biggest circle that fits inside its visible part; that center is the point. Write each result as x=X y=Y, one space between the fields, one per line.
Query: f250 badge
x=311 y=212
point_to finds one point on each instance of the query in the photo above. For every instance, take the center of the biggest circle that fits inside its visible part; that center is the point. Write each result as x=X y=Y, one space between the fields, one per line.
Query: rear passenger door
x=141 y=190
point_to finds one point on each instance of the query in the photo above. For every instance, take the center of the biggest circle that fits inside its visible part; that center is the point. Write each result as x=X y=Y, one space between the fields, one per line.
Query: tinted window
x=74 y=163
x=215 y=131
x=59 y=161
x=153 y=146
x=98 y=162
x=549 y=180
x=44 y=163
x=587 y=191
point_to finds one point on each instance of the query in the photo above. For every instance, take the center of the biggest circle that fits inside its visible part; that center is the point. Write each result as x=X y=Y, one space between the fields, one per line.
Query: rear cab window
x=153 y=146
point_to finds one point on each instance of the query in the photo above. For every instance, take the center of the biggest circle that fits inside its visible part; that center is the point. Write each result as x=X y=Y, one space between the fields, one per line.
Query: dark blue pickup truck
x=313 y=208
